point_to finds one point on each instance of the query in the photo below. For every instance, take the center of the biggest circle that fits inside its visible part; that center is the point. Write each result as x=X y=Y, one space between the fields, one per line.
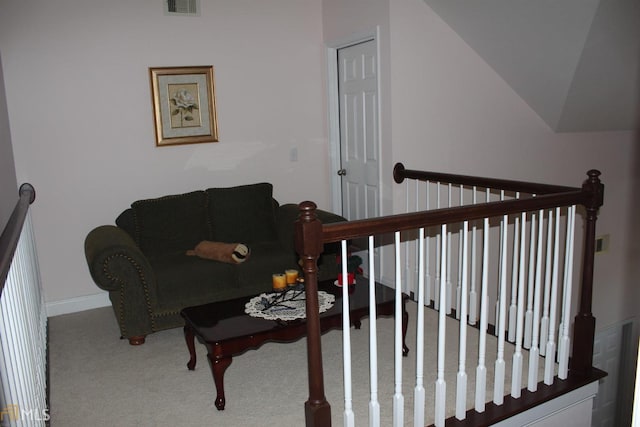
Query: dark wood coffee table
x=227 y=331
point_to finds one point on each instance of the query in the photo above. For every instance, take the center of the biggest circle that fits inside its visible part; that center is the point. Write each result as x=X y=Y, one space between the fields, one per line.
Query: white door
x=359 y=162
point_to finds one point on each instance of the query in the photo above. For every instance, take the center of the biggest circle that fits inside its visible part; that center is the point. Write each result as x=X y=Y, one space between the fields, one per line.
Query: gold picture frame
x=184 y=105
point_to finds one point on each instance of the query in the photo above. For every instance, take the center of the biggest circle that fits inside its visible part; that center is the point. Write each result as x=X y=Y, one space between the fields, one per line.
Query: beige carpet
x=99 y=380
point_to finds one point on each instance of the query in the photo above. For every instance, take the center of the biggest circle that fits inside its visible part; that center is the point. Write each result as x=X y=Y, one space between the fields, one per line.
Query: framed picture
x=184 y=106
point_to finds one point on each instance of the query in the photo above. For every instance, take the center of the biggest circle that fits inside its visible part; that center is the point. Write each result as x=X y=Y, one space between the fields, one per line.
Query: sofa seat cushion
x=266 y=258
x=171 y=224
x=242 y=214
x=184 y=281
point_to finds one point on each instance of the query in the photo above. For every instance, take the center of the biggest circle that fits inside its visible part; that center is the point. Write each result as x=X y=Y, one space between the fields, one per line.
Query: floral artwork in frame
x=184 y=105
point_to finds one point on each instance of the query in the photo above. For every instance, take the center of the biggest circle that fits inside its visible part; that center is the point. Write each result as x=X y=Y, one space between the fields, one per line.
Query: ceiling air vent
x=182 y=7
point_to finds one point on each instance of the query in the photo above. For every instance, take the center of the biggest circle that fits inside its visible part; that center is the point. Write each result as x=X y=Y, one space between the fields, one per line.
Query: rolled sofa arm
x=117 y=265
x=114 y=259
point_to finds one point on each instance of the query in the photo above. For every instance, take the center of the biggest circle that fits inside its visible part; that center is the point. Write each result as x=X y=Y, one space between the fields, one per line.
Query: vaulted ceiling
x=575 y=62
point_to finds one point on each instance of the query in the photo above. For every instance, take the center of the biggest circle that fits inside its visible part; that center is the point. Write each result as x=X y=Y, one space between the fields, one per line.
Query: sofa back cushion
x=172 y=223
x=242 y=214
x=127 y=222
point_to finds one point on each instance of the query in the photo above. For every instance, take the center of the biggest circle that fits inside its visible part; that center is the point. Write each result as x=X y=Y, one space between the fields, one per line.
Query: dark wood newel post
x=308 y=242
x=585 y=323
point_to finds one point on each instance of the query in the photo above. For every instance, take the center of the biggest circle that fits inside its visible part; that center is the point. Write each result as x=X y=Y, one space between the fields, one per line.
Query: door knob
x=342 y=172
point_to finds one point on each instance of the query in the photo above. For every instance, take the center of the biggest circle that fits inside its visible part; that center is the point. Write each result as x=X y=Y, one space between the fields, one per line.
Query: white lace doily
x=288 y=305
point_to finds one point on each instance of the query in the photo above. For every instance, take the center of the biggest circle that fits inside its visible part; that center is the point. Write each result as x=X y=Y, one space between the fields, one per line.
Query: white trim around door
x=333 y=102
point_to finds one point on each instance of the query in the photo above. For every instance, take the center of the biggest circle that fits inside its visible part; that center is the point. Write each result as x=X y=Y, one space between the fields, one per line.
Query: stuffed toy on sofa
x=231 y=253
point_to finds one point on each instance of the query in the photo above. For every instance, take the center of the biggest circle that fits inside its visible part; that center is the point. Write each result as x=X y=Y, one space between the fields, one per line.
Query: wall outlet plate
x=602 y=243
x=182 y=7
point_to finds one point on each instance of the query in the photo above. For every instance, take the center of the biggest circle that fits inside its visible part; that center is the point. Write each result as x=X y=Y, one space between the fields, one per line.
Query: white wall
x=80 y=115
x=81 y=120
x=453 y=113
x=8 y=184
x=448 y=111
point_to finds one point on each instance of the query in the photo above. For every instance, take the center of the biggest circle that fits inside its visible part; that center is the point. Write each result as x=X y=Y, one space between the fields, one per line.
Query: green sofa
x=141 y=261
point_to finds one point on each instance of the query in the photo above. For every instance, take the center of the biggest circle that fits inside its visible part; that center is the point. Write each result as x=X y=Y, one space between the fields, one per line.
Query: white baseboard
x=570 y=410
x=615 y=353
x=74 y=305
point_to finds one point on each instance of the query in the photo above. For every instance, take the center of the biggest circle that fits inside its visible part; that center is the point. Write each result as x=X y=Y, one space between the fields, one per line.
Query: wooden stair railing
x=311 y=235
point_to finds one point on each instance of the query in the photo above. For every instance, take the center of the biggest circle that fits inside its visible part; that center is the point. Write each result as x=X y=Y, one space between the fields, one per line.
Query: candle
x=279 y=282
x=292 y=276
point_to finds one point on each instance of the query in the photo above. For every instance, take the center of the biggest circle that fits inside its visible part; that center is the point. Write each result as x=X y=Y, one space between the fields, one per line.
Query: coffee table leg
x=405 y=323
x=218 y=367
x=190 y=339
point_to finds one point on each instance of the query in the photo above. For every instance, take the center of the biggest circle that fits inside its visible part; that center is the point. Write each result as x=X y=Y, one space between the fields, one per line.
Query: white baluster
x=449 y=285
x=439 y=237
x=461 y=384
x=516 y=374
x=528 y=317
x=551 y=345
x=513 y=308
x=398 y=398
x=498 y=388
x=374 y=404
x=406 y=275
x=534 y=351
x=419 y=392
x=481 y=370
x=544 y=322
x=459 y=286
x=564 y=341
x=473 y=295
x=501 y=253
x=427 y=294
x=441 y=385
x=416 y=263
x=346 y=345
